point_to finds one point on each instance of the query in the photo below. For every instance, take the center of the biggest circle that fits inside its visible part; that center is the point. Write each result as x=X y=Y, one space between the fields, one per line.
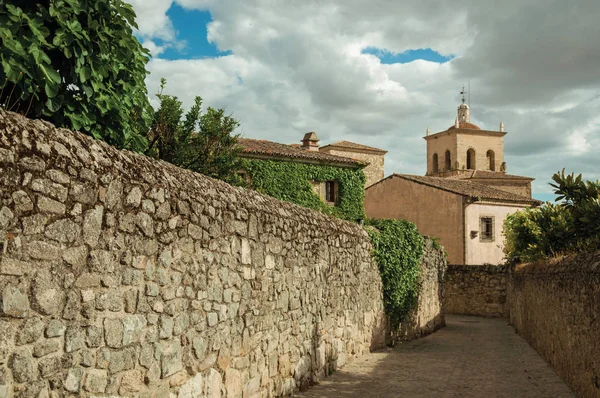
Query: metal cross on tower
x=463 y=92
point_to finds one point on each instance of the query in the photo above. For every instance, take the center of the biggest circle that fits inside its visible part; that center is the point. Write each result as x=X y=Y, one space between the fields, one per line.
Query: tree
x=571 y=225
x=200 y=142
x=76 y=64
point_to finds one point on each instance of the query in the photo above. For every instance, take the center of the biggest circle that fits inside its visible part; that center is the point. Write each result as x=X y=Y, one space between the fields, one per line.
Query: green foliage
x=200 y=142
x=553 y=229
x=536 y=233
x=290 y=181
x=76 y=64
x=582 y=202
x=398 y=249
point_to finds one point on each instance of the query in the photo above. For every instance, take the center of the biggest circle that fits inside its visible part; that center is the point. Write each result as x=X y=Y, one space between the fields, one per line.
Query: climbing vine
x=291 y=181
x=398 y=249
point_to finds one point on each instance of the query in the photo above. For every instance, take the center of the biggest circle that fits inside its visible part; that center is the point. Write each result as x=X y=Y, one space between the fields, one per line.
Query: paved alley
x=470 y=357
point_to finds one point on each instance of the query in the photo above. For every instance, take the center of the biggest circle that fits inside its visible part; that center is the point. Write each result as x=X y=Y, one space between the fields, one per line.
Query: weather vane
x=463 y=92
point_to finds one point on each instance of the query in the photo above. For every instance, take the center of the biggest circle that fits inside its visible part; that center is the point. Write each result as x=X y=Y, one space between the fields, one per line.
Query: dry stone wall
x=124 y=276
x=555 y=306
x=428 y=316
x=476 y=290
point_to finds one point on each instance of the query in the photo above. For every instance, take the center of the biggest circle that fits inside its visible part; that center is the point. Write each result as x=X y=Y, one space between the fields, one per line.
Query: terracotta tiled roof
x=465 y=125
x=354 y=145
x=468 y=188
x=484 y=175
x=276 y=150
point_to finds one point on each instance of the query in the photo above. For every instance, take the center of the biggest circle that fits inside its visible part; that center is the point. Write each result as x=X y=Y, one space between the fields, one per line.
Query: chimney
x=309 y=142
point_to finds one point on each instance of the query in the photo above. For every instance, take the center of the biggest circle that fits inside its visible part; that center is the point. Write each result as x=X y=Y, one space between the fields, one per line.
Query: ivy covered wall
x=291 y=181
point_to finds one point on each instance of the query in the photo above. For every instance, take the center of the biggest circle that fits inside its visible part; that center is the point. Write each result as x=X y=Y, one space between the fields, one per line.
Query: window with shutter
x=486 y=229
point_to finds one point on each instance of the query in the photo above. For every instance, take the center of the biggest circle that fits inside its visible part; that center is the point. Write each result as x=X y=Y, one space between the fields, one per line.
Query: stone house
x=465 y=196
x=326 y=174
x=374 y=157
x=466 y=216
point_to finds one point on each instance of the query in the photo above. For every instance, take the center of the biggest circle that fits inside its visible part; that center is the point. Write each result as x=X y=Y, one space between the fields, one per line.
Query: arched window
x=491 y=158
x=435 y=163
x=471 y=159
x=448 y=161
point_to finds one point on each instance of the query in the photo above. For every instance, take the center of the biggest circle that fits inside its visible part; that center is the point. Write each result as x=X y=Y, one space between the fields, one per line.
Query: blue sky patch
x=190 y=26
x=546 y=197
x=388 y=57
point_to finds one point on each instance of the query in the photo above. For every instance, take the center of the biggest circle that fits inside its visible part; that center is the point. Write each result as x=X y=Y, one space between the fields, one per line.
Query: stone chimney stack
x=310 y=142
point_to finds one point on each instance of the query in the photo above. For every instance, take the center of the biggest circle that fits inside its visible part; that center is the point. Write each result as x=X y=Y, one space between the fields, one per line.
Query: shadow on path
x=471 y=357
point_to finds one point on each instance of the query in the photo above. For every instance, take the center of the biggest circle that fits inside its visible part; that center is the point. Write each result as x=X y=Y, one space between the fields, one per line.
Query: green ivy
x=291 y=182
x=398 y=250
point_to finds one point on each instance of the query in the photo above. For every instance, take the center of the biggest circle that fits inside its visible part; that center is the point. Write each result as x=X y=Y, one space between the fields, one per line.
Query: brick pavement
x=471 y=357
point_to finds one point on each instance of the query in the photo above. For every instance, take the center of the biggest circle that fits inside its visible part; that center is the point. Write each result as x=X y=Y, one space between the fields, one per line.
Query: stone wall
x=555 y=306
x=475 y=290
x=429 y=314
x=124 y=276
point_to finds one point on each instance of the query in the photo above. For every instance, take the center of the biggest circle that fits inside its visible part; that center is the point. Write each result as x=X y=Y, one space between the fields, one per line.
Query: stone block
x=11 y=266
x=96 y=380
x=72 y=306
x=74 y=339
x=113 y=332
x=193 y=388
x=114 y=194
x=15 y=302
x=23 y=202
x=134 y=197
x=73 y=381
x=39 y=250
x=45 y=347
x=23 y=367
x=49 y=366
x=76 y=256
x=94 y=336
x=145 y=224
x=166 y=327
x=47 y=295
x=171 y=359
x=49 y=188
x=84 y=193
x=102 y=261
x=31 y=330
x=49 y=206
x=133 y=327
x=92 y=225
x=55 y=328
x=58 y=176
x=121 y=360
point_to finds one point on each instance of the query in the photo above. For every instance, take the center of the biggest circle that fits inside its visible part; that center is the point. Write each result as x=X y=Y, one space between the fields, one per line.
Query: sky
x=380 y=72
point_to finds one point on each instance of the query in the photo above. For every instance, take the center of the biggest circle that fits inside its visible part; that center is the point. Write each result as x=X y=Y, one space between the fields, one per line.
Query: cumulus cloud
x=298 y=66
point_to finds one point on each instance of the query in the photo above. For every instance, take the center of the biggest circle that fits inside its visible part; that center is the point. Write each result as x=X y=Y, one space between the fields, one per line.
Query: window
x=435 y=163
x=486 y=229
x=245 y=176
x=331 y=191
x=491 y=158
x=448 y=161
x=471 y=159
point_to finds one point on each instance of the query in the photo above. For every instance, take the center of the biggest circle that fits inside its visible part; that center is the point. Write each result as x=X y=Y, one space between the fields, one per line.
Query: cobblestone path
x=470 y=357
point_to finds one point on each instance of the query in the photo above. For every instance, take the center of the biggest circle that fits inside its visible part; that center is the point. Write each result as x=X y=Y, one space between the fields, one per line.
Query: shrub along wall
x=555 y=306
x=428 y=315
x=123 y=275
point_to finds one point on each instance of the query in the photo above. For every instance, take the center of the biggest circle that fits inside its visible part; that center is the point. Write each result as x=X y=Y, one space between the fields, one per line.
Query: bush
x=398 y=249
x=76 y=64
x=572 y=225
